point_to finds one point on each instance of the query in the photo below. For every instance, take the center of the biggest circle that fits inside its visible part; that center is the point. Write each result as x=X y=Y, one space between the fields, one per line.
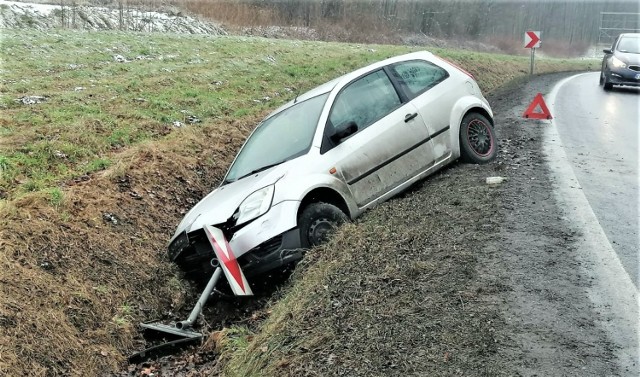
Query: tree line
x=573 y=21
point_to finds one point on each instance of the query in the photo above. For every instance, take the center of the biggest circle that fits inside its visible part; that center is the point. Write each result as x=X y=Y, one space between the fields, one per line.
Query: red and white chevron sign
x=532 y=39
x=228 y=261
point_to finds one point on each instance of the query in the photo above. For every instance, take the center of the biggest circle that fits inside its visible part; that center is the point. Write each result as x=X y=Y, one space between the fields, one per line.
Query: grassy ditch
x=132 y=129
x=394 y=294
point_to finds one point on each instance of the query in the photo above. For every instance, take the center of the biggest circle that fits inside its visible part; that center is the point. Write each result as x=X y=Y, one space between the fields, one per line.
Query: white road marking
x=612 y=291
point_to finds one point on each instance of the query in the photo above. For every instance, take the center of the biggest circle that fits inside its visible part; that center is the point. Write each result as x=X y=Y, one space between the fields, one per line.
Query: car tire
x=601 y=78
x=478 y=143
x=316 y=222
x=605 y=82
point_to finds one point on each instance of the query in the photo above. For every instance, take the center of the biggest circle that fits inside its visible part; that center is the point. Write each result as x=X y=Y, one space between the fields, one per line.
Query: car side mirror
x=607 y=50
x=343 y=131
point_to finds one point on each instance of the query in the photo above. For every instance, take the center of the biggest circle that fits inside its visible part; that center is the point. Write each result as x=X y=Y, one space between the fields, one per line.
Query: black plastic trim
x=288 y=252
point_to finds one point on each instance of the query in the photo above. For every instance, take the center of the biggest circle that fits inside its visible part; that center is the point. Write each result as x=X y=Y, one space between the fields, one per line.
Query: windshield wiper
x=259 y=170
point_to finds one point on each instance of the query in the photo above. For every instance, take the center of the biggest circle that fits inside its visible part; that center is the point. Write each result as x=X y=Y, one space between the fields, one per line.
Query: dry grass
x=550 y=47
x=74 y=284
x=394 y=294
x=562 y=49
x=238 y=13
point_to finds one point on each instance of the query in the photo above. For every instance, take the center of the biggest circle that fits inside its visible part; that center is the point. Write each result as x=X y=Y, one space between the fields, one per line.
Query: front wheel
x=607 y=84
x=478 y=142
x=317 y=221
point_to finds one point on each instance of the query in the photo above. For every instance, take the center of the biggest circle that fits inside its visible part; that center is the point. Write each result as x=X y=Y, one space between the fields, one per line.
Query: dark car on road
x=621 y=63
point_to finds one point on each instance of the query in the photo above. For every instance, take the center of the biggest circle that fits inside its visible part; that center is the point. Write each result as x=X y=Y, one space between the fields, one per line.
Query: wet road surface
x=599 y=130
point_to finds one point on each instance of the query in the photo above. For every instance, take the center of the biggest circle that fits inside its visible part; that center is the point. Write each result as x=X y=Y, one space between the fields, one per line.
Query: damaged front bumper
x=266 y=243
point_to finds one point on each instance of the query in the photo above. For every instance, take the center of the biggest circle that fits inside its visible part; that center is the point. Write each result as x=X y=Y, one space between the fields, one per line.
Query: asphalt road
x=599 y=131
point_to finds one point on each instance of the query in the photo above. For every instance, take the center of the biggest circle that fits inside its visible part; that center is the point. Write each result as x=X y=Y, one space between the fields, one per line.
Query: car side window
x=418 y=76
x=364 y=101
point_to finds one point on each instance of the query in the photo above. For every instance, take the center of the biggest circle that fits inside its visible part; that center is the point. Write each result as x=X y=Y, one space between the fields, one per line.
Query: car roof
x=344 y=79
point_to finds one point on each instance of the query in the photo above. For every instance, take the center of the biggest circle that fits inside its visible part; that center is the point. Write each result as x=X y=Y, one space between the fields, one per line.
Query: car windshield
x=629 y=45
x=281 y=137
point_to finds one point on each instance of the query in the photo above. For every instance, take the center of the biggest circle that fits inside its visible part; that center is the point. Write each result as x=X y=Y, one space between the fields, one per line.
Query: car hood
x=629 y=58
x=220 y=204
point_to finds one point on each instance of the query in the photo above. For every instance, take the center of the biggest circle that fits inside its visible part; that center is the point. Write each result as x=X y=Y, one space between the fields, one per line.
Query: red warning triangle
x=537 y=101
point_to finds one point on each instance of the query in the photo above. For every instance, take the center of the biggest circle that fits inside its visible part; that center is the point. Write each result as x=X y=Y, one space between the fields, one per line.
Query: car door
x=391 y=143
x=424 y=84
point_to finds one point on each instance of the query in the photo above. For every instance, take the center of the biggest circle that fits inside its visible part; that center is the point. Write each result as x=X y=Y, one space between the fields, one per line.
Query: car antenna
x=295 y=100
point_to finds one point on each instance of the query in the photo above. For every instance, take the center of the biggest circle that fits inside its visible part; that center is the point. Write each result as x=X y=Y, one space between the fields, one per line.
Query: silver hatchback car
x=333 y=152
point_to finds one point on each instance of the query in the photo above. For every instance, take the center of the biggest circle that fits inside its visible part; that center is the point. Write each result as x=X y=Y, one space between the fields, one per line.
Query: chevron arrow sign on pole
x=532 y=39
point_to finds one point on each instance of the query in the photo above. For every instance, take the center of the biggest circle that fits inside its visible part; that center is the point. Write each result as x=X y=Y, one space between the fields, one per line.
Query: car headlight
x=617 y=63
x=256 y=204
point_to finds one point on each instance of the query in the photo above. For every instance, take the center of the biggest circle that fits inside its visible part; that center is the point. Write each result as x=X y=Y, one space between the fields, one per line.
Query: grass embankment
x=94 y=178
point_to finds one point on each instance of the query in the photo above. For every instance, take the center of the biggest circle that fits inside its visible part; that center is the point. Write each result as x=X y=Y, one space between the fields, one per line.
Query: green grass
x=124 y=315
x=96 y=106
x=56 y=196
x=4 y=163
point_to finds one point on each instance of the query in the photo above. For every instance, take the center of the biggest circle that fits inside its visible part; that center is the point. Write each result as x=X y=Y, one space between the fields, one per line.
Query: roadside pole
x=533 y=58
x=532 y=40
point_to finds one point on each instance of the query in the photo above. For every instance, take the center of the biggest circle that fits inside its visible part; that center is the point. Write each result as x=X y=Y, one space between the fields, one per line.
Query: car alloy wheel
x=478 y=142
x=480 y=139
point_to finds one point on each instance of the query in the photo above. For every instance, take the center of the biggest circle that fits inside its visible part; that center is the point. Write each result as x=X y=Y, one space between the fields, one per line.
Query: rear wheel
x=317 y=221
x=478 y=142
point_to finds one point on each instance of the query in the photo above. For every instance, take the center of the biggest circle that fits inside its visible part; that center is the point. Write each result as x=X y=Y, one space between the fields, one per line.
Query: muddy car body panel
x=330 y=154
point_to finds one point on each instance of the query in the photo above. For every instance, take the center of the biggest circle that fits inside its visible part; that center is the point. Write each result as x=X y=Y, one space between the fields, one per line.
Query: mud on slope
x=75 y=278
x=453 y=278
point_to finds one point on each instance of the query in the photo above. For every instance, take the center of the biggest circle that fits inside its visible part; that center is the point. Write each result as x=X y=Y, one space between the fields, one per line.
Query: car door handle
x=408 y=117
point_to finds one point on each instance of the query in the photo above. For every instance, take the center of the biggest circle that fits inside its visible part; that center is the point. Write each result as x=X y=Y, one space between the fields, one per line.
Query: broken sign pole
x=225 y=262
